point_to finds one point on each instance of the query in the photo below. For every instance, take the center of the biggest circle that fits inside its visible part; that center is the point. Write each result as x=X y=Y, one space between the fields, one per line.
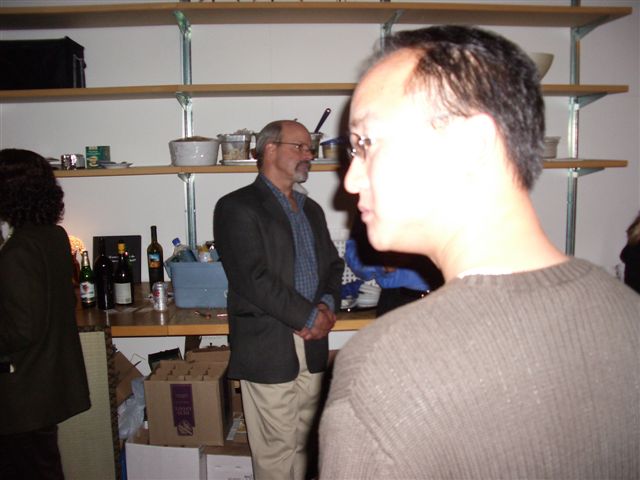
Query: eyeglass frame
x=363 y=142
x=300 y=147
x=366 y=143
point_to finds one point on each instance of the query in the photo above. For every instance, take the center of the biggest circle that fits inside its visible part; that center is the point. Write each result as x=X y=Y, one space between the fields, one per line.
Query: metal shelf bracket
x=385 y=28
x=584 y=100
x=187 y=113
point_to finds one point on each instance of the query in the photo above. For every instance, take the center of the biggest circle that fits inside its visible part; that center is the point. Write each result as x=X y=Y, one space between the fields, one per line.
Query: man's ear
x=269 y=147
x=478 y=140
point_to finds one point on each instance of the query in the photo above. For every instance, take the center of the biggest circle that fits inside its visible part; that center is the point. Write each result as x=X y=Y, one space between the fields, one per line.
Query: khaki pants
x=279 y=418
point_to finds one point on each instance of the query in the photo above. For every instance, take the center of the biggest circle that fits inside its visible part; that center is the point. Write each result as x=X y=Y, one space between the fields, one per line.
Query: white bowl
x=194 y=151
x=543 y=62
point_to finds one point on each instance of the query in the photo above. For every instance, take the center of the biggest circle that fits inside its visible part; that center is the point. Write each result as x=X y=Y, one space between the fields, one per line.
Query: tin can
x=160 y=297
x=71 y=161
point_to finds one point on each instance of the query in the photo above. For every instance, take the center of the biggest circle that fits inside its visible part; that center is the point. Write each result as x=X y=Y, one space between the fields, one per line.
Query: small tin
x=71 y=161
x=160 y=296
x=97 y=155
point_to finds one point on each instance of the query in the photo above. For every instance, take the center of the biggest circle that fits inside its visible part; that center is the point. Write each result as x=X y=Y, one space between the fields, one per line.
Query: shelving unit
x=581 y=20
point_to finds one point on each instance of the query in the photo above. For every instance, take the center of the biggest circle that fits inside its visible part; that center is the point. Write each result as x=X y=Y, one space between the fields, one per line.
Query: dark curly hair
x=29 y=192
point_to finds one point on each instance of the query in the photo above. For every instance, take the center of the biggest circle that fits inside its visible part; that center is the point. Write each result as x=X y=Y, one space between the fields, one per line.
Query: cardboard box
x=125 y=372
x=221 y=355
x=198 y=284
x=153 y=462
x=230 y=462
x=187 y=403
x=209 y=354
x=146 y=462
x=233 y=464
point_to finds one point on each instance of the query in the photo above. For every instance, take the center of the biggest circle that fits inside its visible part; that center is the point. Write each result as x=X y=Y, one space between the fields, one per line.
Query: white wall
x=138 y=130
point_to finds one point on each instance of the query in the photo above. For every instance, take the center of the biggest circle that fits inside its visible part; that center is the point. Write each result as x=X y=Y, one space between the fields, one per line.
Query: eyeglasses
x=300 y=147
x=359 y=146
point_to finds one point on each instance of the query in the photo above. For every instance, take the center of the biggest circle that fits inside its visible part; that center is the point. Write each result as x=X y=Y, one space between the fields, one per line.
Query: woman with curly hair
x=43 y=379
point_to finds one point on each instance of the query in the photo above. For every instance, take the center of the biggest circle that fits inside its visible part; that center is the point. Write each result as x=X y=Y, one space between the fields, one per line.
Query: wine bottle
x=87 y=282
x=103 y=273
x=123 y=278
x=155 y=260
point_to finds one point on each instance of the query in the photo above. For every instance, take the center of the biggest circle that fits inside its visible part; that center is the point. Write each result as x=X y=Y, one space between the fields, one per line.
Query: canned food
x=160 y=296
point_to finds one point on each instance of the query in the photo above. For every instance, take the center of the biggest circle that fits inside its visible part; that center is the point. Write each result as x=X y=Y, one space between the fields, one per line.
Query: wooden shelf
x=141 y=320
x=171 y=170
x=584 y=164
x=127 y=15
x=170 y=91
x=242 y=90
x=557 y=90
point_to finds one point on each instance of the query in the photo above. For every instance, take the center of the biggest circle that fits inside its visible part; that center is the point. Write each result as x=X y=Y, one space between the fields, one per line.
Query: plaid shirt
x=305 y=262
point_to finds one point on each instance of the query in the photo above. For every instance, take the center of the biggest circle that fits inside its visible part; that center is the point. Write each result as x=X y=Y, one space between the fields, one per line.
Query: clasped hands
x=324 y=322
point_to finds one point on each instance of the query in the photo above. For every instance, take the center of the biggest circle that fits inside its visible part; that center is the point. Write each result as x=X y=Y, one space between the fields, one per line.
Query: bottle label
x=87 y=291
x=122 y=293
x=154 y=260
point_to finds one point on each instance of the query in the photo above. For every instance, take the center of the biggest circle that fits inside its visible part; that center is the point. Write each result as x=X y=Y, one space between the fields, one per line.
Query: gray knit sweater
x=532 y=375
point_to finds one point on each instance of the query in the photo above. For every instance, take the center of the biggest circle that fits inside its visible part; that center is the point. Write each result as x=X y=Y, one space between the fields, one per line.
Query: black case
x=132 y=243
x=33 y=64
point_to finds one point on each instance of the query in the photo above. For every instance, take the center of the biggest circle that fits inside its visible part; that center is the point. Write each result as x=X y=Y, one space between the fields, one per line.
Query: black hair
x=29 y=192
x=469 y=71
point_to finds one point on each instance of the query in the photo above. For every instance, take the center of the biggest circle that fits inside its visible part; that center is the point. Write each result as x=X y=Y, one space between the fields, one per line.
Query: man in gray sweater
x=526 y=364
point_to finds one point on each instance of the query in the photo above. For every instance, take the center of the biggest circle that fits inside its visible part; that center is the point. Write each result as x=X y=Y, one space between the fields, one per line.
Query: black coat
x=38 y=332
x=255 y=242
x=630 y=255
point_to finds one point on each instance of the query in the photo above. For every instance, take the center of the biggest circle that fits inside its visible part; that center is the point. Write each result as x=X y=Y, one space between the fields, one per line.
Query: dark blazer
x=38 y=332
x=255 y=241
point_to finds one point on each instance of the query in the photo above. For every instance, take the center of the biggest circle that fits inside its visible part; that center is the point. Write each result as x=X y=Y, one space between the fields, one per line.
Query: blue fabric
x=400 y=277
x=305 y=263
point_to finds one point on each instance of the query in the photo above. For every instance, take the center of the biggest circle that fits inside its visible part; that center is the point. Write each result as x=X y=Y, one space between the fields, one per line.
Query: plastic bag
x=131 y=411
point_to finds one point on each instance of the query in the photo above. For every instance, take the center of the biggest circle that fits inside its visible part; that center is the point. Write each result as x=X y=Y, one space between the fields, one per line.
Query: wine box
x=188 y=403
x=198 y=284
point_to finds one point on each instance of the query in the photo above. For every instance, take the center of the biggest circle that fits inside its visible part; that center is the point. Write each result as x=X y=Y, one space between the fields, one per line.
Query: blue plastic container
x=198 y=285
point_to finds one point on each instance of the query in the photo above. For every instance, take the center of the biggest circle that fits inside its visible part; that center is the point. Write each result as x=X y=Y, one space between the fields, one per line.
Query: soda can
x=160 y=296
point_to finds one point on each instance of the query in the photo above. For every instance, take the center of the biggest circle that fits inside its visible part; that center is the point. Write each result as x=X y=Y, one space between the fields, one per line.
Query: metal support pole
x=187 y=125
x=189 y=180
x=572 y=142
x=572 y=197
x=185 y=43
